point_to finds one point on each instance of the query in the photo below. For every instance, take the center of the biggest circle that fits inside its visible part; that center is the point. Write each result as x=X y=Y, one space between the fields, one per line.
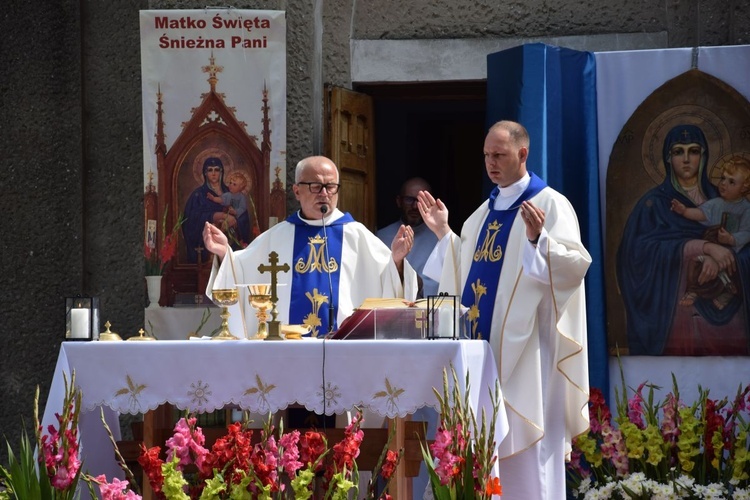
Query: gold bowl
x=260 y=289
x=294 y=332
x=225 y=296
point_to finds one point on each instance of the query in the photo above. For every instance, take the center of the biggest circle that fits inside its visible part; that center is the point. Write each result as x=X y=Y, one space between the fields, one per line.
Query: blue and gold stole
x=310 y=293
x=483 y=280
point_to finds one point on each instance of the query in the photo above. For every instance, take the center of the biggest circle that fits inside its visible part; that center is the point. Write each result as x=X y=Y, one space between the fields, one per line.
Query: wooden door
x=349 y=141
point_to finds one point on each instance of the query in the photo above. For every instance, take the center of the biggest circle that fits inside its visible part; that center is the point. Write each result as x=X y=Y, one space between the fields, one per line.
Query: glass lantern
x=443 y=312
x=81 y=318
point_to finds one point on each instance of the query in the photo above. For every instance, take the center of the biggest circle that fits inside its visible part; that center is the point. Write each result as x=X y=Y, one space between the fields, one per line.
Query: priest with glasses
x=333 y=260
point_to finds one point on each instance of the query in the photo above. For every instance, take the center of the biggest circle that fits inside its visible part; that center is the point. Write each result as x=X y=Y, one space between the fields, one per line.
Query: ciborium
x=260 y=299
x=225 y=297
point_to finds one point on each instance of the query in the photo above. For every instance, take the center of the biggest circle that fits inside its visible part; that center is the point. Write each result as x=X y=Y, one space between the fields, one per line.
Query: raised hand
x=402 y=243
x=214 y=240
x=533 y=217
x=677 y=207
x=434 y=214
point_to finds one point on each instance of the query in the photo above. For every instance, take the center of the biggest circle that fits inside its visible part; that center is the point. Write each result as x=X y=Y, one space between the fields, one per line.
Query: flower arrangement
x=295 y=465
x=56 y=472
x=156 y=261
x=663 y=450
x=461 y=459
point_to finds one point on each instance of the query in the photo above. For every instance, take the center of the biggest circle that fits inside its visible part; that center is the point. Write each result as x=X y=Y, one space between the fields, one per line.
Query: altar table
x=392 y=378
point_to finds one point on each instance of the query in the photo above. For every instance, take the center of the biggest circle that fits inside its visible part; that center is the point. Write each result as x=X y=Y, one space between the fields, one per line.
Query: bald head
x=414 y=184
x=313 y=173
x=517 y=133
x=313 y=162
x=506 y=149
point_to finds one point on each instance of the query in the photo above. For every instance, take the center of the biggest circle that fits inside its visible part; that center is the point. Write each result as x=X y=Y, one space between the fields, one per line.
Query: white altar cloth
x=178 y=323
x=392 y=378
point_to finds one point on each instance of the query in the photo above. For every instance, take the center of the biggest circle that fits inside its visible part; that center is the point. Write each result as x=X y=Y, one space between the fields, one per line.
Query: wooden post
x=400 y=484
x=154 y=423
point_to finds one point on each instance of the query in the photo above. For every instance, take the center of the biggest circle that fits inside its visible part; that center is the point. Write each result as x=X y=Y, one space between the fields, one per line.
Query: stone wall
x=71 y=134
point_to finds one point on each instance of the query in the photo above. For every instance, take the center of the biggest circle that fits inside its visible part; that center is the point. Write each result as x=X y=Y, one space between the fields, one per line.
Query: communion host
x=335 y=263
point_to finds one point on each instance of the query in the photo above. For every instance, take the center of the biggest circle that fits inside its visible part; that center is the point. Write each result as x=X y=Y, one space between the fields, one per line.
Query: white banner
x=214 y=99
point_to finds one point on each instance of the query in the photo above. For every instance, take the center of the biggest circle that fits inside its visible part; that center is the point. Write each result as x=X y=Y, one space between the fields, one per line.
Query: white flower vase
x=153 y=283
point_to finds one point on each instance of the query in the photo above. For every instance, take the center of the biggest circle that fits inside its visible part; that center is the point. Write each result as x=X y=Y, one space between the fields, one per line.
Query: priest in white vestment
x=519 y=266
x=333 y=260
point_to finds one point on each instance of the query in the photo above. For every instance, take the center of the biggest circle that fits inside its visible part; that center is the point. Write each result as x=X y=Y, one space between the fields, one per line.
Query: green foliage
x=21 y=478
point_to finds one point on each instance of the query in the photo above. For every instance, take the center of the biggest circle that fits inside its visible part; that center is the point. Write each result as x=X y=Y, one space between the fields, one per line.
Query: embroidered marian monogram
x=483 y=280
x=316 y=259
x=487 y=251
x=317 y=269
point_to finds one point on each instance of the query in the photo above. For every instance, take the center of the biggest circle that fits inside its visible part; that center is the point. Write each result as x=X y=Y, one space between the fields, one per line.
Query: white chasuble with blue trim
x=316 y=253
x=483 y=279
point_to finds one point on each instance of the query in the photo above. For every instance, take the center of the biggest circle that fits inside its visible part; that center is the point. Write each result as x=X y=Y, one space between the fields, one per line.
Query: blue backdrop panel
x=552 y=92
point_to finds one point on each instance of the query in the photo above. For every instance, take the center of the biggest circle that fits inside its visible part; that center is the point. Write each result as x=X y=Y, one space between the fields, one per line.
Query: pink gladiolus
x=598 y=410
x=460 y=438
x=60 y=454
x=117 y=490
x=187 y=438
x=443 y=441
x=669 y=427
x=449 y=468
x=635 y=408
x=575 y=463
x=290 y=456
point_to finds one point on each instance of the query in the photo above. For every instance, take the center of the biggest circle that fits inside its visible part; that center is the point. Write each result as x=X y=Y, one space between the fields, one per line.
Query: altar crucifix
x=274 y=269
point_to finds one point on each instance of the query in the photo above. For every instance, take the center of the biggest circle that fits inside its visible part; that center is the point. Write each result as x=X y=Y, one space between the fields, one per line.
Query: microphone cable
x=324 y=211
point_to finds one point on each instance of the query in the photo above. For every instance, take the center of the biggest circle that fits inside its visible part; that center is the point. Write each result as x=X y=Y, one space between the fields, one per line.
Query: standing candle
x=79 y=323
x=445 y=321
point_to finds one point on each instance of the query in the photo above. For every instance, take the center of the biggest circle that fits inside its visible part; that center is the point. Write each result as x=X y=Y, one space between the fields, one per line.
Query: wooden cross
x=199 y=251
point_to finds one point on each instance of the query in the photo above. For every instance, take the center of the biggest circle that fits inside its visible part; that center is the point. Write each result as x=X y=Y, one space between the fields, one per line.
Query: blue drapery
x=552 y=92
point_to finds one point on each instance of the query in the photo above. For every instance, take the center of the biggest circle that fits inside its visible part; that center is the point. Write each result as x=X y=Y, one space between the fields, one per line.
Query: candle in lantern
x=79 y=323
x=445 y=322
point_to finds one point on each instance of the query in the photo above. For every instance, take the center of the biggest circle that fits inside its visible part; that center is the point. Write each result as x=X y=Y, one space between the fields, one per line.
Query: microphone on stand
x=324 y=211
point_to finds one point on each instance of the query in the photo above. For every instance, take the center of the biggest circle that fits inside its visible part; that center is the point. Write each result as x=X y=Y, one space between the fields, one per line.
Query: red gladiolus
x=234 y=447
x=151 y=463
x=312 y=445
x=389 y=465
x=346 y=451
x=494 y=487
x=155 y=262
x=169 y=248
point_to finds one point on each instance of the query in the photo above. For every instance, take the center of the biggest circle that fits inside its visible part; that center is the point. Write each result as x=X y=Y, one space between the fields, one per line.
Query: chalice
x=260 y=299
x=225 y=297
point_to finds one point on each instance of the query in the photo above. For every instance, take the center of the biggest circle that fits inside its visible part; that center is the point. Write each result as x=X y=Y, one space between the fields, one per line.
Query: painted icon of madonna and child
x=683 y=264
x=221 y=200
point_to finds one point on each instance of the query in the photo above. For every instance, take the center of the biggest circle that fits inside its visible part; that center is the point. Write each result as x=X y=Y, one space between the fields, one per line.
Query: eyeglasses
x=408 y=200
x=317 y=187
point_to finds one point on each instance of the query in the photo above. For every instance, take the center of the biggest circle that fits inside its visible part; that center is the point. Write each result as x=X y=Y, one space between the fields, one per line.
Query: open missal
x=386 y=319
